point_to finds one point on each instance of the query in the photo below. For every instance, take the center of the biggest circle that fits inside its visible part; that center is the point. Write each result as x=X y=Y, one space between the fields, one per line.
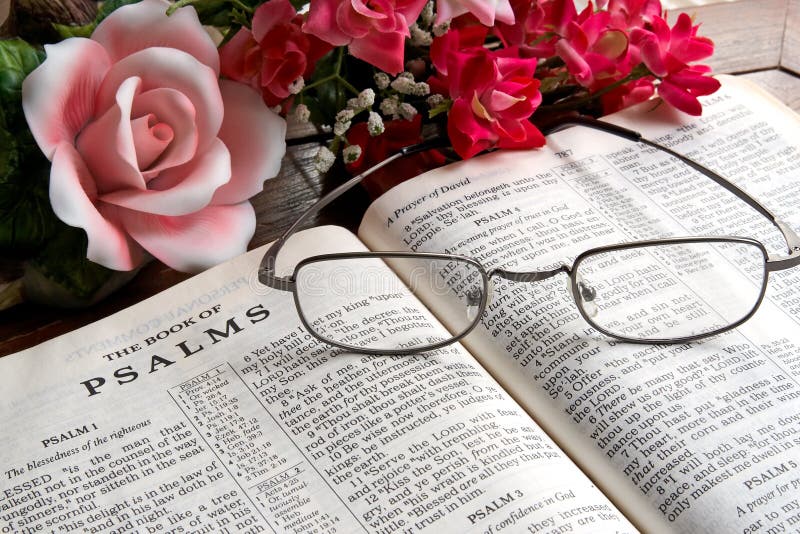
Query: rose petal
x=179 y=190
x=384 y=50
x=237 y=57
x=175 y=109
x=197 y=241
x=150 y=138
x=270 y=14
x=173 y=69
x=73 y=196
x=146 y=24
x=58 y=97
x=106 y=144
x=255 y=137
x=321 y=23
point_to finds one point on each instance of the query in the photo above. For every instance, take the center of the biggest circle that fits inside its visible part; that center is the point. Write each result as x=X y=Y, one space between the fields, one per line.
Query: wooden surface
x=759 y=39
x=791 y=45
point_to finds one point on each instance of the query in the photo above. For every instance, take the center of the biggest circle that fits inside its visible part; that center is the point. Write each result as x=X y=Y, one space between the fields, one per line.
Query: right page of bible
x=705 y=434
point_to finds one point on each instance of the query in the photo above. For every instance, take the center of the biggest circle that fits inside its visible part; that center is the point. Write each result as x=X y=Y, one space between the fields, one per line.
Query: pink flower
x=486 y=11
x=627 y=95
x=627 y=14
x=149 y=151
x=374 y=30
x=591 y=49
x=494 y=95
x=668 y=52
x=273 y=56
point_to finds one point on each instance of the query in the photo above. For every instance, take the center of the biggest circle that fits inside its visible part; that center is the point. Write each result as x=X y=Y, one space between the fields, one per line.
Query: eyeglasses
x=658 y=291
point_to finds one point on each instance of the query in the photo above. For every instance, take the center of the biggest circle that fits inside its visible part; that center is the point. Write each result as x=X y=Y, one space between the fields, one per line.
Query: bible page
x=698 y=436
x=209 y=408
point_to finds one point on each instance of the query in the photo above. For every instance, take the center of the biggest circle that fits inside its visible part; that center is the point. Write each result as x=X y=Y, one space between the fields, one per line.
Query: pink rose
x=273 y=56
x=149 y=151
x=374 y=30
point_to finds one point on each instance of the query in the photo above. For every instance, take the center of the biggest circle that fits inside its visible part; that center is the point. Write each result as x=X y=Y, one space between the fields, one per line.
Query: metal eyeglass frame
x=268 y=277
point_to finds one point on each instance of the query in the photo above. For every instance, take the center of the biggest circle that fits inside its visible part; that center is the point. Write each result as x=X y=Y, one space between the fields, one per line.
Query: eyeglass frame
x=268 y=277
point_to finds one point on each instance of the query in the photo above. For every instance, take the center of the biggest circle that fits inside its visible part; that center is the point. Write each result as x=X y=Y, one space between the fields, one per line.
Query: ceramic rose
x=150 y=152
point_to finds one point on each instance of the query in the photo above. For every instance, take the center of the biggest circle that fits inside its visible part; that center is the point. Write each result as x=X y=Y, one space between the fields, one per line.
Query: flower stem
x=638 y=72
x=241 y=5
x=179 y=4
x=336 y=76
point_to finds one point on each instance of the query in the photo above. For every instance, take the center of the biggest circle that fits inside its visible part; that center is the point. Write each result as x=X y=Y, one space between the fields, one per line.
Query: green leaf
x=214 y=12
x=64 y=262
x=17 y=60
x=66 y=31
x=26 y=218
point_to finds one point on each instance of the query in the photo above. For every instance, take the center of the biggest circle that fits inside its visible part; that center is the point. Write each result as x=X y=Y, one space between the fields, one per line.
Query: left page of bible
x=210 y=408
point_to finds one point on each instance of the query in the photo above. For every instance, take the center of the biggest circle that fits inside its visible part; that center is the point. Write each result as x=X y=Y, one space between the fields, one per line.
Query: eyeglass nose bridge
x=530 y=276
x=585 y=293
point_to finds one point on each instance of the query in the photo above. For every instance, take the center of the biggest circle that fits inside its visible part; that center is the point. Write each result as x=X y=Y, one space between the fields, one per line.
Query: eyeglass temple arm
x=774 y=263
x=266 y=271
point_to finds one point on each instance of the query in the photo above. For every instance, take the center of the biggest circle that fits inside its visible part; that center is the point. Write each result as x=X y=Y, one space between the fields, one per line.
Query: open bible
x=210 y=407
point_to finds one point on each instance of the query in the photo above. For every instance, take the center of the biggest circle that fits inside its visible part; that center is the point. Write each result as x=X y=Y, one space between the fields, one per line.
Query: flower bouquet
x=142 y=132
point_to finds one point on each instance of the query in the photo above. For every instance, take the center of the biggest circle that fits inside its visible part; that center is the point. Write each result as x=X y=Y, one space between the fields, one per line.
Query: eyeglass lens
x=356 y=301
x=670 y=291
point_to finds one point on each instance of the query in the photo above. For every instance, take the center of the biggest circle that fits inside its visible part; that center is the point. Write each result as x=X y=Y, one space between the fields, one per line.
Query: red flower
x=668 y=52
x=374 y=30
x=494 y=95
x=273 y=56
x=397 y=134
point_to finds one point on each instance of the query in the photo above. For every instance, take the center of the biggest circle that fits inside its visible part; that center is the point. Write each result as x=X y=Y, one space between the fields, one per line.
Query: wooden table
x=757 y=39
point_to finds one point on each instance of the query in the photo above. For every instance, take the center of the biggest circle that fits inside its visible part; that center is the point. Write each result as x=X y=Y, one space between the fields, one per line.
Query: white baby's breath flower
x=382 y=80
x=420 y=37
x=352 y=103
x=390 y=105
x=435 y=100
x=340 y=128
x=344 y=115
x=296 y=86
x=301 y=113
x=374 y=124
x=324 y=159
x=441 y=29
x=427 y=15
x=403 y=85
x=366 y=98
x=422 y=89
x=407 y=111
x=351 y=153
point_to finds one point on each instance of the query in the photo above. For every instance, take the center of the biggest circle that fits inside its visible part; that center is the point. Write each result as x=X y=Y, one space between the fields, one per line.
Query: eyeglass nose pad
x=586 y=294
x=474 y=300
